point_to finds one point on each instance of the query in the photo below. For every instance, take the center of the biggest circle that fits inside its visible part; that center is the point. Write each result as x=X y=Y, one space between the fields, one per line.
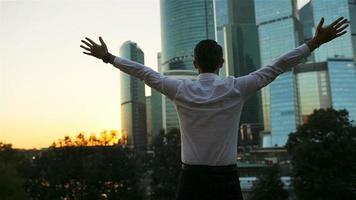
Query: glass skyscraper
x=342 y=75
x=184 y=23
x=133 y=102
x=313 y=88
x=338 y=56
x=237 y=32
x=352 y=10
x=278 y=33
x=341 y=47
x=221 y=18
x=156 y=106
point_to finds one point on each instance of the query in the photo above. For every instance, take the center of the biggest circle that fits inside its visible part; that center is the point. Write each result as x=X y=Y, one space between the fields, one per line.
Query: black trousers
x=209 y=182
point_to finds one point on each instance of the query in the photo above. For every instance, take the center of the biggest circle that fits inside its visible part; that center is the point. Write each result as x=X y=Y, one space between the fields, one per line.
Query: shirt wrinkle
x=209 y=108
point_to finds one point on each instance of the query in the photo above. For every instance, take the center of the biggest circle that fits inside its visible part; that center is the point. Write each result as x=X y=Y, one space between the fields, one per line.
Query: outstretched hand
x=94 y=49
x=330 y=32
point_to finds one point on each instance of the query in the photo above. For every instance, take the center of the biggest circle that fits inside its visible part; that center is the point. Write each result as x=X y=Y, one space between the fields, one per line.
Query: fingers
x=321 y=23
x=340 y=34
x=87 y=43
x=86 y=48
x=91 y=41
x=342 y=28
x=87 y=53
x=336 y=21
x=102 y=41
x=342 y=22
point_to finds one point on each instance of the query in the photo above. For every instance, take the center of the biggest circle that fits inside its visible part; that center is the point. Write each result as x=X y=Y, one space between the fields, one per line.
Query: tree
x=323 y=156
x=166 y=164
x=269 y=186
x=86 y=173
x=11 y=183
x=106 y=139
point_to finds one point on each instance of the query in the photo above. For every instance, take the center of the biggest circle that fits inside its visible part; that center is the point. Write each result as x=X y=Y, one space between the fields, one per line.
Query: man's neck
x=215 y=72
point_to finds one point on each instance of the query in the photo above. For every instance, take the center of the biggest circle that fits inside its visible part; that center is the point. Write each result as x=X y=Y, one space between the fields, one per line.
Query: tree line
x=321 y=151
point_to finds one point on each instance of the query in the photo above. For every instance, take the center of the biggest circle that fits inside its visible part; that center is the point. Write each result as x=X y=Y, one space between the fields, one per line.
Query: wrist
x=318 y=42
x=108 y=58
x=314 y=43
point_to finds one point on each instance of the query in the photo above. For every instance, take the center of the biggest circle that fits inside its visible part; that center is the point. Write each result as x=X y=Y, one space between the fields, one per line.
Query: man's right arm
x=166 y=85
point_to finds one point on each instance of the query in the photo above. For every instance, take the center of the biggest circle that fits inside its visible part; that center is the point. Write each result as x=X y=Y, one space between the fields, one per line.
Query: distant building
x=329 y=77
x=313 y=88
x=133 y=102
x=156 y=106
x=184 y=23
x=149 y=119
x=341 y=47
x=221 y=18
x=241 y=49
x=253 y=163
x=279 y=32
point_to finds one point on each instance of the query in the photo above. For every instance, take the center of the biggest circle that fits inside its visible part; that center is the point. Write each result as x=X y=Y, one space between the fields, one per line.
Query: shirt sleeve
x=258 y=79
x=165 y=85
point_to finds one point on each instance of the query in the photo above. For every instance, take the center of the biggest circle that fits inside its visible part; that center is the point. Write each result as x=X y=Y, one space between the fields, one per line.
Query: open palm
x=96 y=50
x=332 y=31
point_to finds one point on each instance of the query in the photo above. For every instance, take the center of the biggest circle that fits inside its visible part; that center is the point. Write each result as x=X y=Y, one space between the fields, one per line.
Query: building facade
x=133 y=101
x=336 y=81
x=156 y=106
x=278 y=30
x=183 y=24
x=221 y=19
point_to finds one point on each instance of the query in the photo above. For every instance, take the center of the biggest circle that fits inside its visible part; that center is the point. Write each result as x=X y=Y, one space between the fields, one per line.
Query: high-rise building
x=341 y=47
x=313 y=88
x=156 y=107
x=149 y=119
x=352 y=11
x=221 y=18
x=337 y=80
x=133 y=102
x=342 y=75
x=241 y=51
x=236 y=32
x=278 y=33
x=183 y=24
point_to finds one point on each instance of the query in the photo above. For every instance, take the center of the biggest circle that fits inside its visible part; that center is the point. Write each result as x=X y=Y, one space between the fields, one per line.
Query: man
x=210 y=107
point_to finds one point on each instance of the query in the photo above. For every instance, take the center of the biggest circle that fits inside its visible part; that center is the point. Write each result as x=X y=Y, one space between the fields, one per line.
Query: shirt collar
x=208 y=76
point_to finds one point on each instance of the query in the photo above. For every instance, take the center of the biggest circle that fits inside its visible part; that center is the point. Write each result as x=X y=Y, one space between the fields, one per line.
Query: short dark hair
x=208 y=54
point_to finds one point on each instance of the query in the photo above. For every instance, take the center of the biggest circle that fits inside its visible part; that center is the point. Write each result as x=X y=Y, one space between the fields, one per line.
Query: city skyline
x=48 y=87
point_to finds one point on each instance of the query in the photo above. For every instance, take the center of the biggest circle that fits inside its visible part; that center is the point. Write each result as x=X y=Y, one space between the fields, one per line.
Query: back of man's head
x=208 y=55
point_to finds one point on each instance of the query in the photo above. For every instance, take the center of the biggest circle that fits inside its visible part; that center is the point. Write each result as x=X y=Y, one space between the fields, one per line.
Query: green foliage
x=86 y=173
x=166 y=165
x=323 y=156
x=11 y=183
x=269 y=186
x=82 y=168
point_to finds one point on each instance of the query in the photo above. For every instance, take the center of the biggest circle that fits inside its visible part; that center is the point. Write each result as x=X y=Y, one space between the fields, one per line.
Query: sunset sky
x=48 y=87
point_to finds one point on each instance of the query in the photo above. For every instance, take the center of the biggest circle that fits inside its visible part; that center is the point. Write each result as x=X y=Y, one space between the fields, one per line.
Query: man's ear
x=195 y=63
x=222 y=62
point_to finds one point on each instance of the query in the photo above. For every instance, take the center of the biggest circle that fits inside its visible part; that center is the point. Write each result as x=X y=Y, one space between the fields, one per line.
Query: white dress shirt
x=209 y=107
